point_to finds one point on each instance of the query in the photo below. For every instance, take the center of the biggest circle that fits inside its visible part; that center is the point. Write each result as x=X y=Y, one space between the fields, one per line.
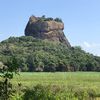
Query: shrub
x=39 y=92
x=58 y=20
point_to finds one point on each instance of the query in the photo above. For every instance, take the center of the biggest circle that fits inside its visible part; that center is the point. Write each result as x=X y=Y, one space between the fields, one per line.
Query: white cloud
x=86 y=44
x=91 y=47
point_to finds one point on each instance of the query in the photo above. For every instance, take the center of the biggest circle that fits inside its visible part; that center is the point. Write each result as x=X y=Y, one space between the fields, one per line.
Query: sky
x=81 y=19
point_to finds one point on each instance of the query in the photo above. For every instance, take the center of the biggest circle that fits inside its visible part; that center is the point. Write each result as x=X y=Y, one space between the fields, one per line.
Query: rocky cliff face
x=46 y=28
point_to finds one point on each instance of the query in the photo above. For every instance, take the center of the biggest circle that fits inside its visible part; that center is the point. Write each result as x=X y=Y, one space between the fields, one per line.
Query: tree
x=43 y=16
x=8 y=70
x=31 y=63
x=50 y=67
x=58 y=20
x=35 y=54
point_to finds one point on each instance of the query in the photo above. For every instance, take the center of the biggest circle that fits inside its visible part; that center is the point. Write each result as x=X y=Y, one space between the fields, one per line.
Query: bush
x=58 y=20
x=55 y=92
x=39 y=92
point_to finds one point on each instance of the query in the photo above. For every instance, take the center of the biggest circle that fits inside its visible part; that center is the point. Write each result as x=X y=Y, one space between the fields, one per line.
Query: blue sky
x=81 y=19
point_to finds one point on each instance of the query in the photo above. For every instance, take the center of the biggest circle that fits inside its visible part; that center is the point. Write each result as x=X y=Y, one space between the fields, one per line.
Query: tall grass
x=79 y=84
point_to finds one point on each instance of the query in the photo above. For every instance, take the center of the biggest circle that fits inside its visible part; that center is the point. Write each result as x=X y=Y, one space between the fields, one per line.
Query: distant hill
x=45 y=48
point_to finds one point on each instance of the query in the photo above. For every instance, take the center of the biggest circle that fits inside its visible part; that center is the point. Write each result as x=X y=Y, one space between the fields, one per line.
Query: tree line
x=43 y=55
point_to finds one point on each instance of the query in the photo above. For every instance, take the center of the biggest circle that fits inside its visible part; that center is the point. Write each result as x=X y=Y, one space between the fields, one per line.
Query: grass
x=79 y=79
x=73 y=82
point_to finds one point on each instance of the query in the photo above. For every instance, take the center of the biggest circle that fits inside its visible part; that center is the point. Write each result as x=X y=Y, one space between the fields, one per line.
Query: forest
x=46 y=56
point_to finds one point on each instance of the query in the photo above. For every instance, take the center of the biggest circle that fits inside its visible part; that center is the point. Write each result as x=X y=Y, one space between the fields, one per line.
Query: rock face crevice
x=46 y=29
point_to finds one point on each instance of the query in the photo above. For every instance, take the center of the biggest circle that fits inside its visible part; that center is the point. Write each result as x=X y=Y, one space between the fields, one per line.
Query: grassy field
x=77 y=81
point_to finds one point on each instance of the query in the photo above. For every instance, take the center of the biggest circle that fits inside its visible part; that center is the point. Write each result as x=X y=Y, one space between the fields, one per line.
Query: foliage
x=55 y=92
x=58 y=20
x=43 y=55
x=7 y=72
x=59 y=85
x=43 y=18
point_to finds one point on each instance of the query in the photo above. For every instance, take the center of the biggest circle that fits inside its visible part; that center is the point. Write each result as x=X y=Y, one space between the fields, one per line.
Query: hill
x=42 y=55
x=45 y=48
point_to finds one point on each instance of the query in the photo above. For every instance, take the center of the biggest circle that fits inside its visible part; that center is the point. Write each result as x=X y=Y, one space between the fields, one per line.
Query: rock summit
x=46 y=28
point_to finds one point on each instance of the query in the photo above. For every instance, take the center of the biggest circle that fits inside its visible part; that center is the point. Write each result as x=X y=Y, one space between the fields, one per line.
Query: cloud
x=91 y=47
x=86 y=44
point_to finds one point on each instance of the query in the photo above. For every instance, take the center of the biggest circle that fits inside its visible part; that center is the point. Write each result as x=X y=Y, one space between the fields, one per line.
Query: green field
x=74 y=80
x=79 y=79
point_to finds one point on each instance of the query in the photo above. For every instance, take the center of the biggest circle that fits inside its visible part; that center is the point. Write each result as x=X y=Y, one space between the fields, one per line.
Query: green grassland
x=77 y=81
x=82 y=79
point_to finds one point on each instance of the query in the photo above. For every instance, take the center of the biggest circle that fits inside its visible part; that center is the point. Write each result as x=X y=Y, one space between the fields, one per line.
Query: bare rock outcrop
x=46 y=28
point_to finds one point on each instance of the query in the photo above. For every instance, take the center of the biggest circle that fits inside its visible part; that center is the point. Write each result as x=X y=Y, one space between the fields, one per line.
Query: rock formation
x=46 y=28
